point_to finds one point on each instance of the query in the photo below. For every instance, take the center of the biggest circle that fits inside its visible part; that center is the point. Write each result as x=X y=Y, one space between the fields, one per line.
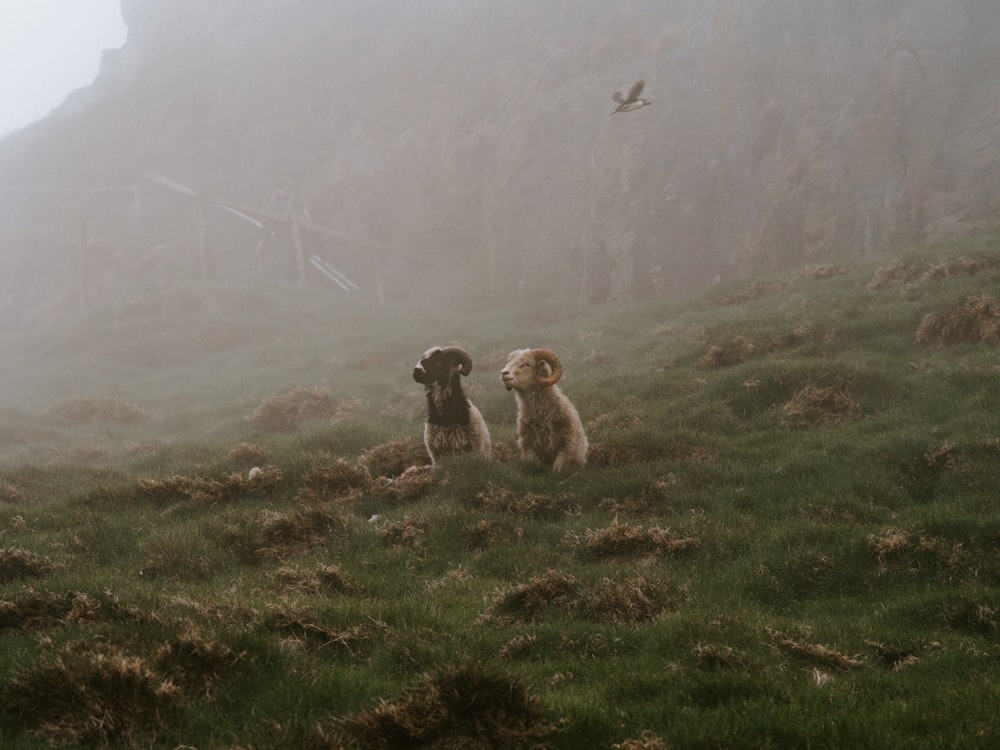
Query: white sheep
x=454 y=424
x=548 y=426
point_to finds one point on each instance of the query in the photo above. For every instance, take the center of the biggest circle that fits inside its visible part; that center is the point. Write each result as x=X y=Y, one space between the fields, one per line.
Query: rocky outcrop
x=476 y=135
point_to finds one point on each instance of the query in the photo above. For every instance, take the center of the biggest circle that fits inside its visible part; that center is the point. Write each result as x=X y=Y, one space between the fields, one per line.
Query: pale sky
x=49 y=48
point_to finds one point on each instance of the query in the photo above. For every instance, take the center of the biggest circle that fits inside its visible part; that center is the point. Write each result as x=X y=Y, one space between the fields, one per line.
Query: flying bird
x=632 y=100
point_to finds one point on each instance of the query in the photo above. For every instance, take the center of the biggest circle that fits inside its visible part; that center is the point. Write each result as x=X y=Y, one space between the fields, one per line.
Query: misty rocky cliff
x=475 y=135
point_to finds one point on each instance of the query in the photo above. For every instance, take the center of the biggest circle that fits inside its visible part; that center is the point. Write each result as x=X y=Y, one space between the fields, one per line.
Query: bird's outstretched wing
x=634 y=92
x=617 y=96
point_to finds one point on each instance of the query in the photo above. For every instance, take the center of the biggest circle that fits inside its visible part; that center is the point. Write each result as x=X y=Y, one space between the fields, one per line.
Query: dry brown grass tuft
x=483 y=534
x=962 y=266
x=91 y=696
x=19 y=563
x=284 y=413
x=627 y=452
x=645 y=741
x=248 y=455
x=524 y=603
x=901 y=547
x=755 y=290
x=816 y=653
x=408 y=532
x=411 y=484
x=631 y=602
x=338 y=480
x=88 y=409
x=712 y=656
x=36 y=610
x=321 y=579
x=897 y=272
x=207 y=491
x=978 y=320
x=347 y=641
x=10 y=493
x=943 y=457
x=621 y=539
x=733 y=352
x=893 y=656
x=497 y=499
x=283 y=535
x=615 y=453
x=196 y=664
x=779 y=341
x=458 y=708
x=827 y=406
x=395 y=457
x=827 y=271
x=517 y=647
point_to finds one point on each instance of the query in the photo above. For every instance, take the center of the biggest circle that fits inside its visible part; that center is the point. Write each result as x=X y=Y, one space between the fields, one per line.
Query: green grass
x=786 y=536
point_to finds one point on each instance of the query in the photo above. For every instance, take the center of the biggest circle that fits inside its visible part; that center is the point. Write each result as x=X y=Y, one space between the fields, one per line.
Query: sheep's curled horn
x=463 y=357
x=557 y=369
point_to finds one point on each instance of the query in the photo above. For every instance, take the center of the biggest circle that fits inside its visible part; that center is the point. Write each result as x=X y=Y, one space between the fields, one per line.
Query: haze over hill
x=467 y=147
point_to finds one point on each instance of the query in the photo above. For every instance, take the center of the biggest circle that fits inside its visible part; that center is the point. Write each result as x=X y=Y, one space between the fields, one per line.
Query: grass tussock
x=11 y=493
x=198 y=665
x=912 y=274
x=36 y=610
x=975 y=321
x=204 y=491
x=523 y=603
x=16 y=564
x=280 y=535
x=738 y=349
x=92 y=697
x=285 y=412
x=823 y=406
x=323 y=579
x=410 y=485
x=896 y=272
x=457 y=708
x=753 y=291
x=897 y=549
x=645 y=741
x=622 y=539
x=338 y=480
x=91 y=409
x=248 y=455
x=631 y=602
x=712 y=656
x=392 y=459
x=824 y=271
x=498 y=499
x=483 y=534
x=816 y=653
x=407 y=532
x=303 y=632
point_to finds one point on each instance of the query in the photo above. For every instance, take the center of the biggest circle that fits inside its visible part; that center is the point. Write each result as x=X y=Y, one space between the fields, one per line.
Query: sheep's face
x=439 y=365
x=530 y=368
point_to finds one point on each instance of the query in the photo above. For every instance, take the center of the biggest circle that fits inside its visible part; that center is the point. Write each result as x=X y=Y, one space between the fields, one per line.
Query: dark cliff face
x=476 y=135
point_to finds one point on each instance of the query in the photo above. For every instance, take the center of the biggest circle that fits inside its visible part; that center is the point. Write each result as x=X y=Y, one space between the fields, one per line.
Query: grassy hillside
x=786 y=535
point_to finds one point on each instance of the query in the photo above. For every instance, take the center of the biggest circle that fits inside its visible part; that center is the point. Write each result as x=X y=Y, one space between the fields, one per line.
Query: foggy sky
x=49 y=48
